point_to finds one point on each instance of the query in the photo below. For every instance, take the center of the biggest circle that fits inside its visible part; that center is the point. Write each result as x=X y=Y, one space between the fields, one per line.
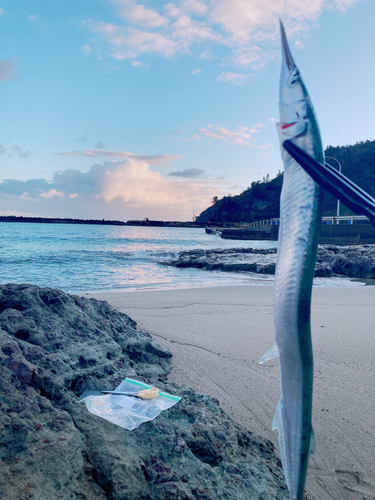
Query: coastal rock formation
x=54 y=346
x=233 y=259
x=356 y=261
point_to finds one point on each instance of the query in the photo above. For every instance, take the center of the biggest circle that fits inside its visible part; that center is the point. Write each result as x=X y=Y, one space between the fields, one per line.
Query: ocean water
x=89 y=258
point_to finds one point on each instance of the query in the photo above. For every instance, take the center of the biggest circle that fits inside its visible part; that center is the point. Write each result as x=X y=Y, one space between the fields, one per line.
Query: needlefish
x=300 y=220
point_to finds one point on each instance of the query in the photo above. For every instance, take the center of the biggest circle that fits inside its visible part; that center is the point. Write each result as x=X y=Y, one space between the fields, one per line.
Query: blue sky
x=123 y=109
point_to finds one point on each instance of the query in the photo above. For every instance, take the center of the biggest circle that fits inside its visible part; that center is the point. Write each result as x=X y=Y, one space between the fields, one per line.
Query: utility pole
x=338 y=201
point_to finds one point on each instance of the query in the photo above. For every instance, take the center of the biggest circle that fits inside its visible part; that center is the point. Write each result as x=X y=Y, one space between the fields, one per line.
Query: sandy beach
x=217 y=336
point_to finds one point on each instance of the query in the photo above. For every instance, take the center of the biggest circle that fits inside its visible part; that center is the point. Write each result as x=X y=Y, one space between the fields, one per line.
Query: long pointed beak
x=287 y=55
x=336 y=183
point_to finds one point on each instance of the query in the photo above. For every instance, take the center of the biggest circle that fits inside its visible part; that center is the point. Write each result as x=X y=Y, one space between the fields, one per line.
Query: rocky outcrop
x=352 y=261
x=255 y=260
x=54 y=346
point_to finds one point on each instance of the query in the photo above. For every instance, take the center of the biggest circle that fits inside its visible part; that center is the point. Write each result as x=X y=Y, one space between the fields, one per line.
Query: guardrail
x=260 y=223
x=349 y=219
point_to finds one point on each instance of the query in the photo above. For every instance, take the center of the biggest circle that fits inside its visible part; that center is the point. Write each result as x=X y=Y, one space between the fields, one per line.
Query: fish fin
x=312 y=442
x=278 y=424
x=273 y=352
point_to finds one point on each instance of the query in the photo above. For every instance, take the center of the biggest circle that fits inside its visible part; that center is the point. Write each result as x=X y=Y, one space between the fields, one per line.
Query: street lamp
x=338 y=201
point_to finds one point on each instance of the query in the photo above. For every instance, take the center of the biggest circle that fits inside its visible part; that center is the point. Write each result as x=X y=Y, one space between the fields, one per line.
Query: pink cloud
x=133 y=183
x=155 y=159
x=52 y=193
x=243 y=136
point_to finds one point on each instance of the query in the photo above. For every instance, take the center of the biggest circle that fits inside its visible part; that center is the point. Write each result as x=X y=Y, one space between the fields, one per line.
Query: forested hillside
x=261 y=200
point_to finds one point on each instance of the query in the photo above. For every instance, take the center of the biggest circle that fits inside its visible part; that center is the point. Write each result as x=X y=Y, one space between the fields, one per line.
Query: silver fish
x=300 y=213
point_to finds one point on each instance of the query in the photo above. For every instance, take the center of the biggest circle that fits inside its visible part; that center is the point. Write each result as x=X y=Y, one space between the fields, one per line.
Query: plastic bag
x=127 y=411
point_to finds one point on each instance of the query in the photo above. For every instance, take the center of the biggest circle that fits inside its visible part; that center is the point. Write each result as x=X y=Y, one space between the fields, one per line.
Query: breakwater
x=54 y=220
x=337 y=234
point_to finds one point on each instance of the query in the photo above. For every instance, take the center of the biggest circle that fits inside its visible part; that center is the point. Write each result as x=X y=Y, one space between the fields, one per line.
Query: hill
x=261 y=200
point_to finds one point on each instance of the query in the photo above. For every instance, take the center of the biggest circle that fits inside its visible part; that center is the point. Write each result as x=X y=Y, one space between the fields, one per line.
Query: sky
x=125 y=109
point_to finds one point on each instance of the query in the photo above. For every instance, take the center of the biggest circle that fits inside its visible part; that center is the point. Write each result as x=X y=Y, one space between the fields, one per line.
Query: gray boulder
x=54 y=346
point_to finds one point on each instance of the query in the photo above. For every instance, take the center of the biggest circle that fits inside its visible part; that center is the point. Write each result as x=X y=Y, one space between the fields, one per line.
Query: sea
x=93 y=258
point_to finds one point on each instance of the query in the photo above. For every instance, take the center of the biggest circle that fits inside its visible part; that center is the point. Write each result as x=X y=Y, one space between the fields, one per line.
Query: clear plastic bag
x=128 y=412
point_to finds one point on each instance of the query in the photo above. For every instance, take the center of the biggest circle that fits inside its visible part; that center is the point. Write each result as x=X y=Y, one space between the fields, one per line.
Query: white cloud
x=129 y=42
x=243 y=136
x=184 y=7
x=344 y=4
x=1 y=11
x=139 y=64
x=206 y=54
x=236 y=78
x=299 y=44
x=74 y=195
x=192 y=31
x=133 y=183
x=86 y=49
x=32 y=17
x=250 y=57
x=8 y=69
x=52 y=193
x=135 y=13
x=248 y=30
x=258 y=20
x=196 y=71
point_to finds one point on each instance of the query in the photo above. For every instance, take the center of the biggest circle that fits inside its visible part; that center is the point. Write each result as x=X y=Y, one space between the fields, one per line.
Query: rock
x=54 y=346
x=252 y=260
x=355 y=261
x=266 y=269
x=323 y=270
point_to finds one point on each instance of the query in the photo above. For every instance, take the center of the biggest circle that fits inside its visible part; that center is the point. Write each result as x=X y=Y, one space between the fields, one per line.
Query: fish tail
x=278 y=424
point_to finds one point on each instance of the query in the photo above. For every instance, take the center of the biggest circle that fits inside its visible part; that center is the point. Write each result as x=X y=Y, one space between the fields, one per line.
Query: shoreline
x=362 y=282
x=218 y=334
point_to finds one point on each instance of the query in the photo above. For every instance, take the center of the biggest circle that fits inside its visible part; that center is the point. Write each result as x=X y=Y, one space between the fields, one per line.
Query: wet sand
x=217 y=336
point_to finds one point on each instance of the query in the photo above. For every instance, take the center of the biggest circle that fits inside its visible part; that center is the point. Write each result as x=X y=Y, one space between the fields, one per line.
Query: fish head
x=295 y=105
